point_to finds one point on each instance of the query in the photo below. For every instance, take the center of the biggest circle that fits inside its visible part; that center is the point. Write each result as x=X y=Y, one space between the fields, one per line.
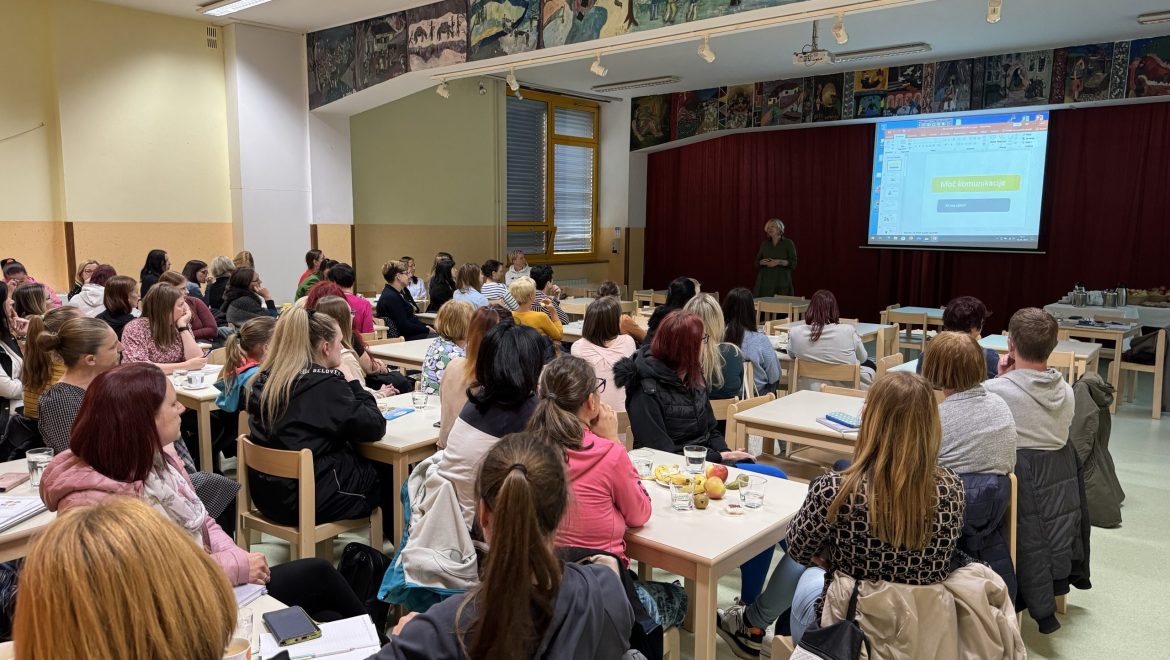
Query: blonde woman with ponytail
x=722 y=361
x=607 y=495
x=300 y=400
x=529 y=604
x=243 y=352
x=86 y=347
x=42 y=368
x=893 y=515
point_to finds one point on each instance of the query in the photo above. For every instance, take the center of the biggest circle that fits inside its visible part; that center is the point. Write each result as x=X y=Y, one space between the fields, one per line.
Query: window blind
x=573 y=198
x=527 y=123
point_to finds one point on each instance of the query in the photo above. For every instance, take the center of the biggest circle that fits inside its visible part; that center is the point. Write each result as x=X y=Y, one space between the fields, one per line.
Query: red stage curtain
x=1106 y=215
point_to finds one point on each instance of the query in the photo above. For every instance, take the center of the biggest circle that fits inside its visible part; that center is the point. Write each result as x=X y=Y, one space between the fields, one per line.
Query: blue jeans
x=791 y=586
x=755 y=570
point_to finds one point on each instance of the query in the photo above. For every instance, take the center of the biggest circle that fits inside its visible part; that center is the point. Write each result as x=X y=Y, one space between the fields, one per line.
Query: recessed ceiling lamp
x=636 y=84
x=705 y=51
x=225 y=7
x=874 y=53
x=994 y=10
x=442 y=90
x=513 y=84
x=1157 y=17
x=839 y=32
x=597 y=67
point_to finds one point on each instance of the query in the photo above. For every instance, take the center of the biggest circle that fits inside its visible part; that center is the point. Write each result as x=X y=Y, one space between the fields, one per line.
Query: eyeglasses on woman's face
x=600 y=387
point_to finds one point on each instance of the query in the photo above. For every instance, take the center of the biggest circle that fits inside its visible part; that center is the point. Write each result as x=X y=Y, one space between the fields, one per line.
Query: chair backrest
x=623 y=419
x=628 y=306
x=889 y=362
x=749 y=381
x=846 y=373
x=627 y=434
x=1065 y=362
x=733 y=427
x=774 y=327
x=1010 y=517
x=844 y=391
x=720 y=406
x=379 y=342
x=644 y=296
x=217 y=356
x=849 y=321
x=766 y=311
x=369 y=336
x=296 y=465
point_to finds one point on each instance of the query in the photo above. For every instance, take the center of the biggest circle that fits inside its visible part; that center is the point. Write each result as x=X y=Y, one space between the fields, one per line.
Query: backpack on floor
x=363 y=568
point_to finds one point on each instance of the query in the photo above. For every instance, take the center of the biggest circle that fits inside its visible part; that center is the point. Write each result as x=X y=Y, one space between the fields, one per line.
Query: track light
x=519 y=96
x=994 y=10
x=513 y=84
x=442 y=90
x=482 y=89
x=1154 y=18
x=597 y=68
x=705 y=51
x=839 y=32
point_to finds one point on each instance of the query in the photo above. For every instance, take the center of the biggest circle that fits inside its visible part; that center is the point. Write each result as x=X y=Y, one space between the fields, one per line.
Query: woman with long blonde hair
x=120 y=581
x=893 y=515
x=722 y=361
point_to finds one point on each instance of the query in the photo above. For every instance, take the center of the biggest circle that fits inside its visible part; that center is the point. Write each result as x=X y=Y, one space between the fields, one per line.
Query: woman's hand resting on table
x=734 y=457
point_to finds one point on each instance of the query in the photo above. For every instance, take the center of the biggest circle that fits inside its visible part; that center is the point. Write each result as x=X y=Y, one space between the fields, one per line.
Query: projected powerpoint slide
x=971 y=181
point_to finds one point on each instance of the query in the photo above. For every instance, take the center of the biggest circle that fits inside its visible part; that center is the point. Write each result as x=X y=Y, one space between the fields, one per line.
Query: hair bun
x=48 y=340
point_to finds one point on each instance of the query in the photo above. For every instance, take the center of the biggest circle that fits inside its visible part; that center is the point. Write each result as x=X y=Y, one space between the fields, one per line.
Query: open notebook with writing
x=348 y=639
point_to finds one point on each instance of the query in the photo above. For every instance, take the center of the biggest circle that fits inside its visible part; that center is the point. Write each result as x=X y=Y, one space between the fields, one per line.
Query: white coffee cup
x=238 y=649
x=195 y=379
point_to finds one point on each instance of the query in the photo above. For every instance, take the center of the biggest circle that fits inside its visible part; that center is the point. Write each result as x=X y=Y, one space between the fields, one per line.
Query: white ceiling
x=295 y=15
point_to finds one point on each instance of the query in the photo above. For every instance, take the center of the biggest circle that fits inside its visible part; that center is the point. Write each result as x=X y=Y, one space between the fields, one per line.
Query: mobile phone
x=291 y=626
x=10 y=480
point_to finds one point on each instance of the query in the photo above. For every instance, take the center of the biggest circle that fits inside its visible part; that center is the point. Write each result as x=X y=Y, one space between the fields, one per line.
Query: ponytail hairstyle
x=292 y=351
x=76 y=338
x=38 y=364
x=704 y=306
x=158 y=307
x=523 y=488
x=29 y=300
x=339 y=310
x=565 y=386
x=239 y=347
x=5 y=328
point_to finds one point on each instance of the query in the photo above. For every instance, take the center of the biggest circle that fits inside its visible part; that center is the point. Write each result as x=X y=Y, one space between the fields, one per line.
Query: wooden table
x=794 y=418
x=202 y=401
x=404 y=354
x=869 y=332
x=408 y=439
x=703 y=545
x=571 y=332
x=575 y=306
x=427 y=318
x=14 y=542
x=1086 y=354
x=1115 y=332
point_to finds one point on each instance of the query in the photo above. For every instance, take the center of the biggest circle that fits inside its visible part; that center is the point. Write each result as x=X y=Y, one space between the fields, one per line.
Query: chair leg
x=1158 y=384
x=671 y=647
x=645 y=571
x=324 y=550
x=376 y=529
x=1062 y=605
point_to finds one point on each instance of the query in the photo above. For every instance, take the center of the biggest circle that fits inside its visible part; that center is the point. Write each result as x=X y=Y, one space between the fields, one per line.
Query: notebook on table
x=348 y=639
x=15 y=509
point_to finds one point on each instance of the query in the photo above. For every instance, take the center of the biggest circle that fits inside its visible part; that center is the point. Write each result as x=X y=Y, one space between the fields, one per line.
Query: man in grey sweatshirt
x=1038 y=396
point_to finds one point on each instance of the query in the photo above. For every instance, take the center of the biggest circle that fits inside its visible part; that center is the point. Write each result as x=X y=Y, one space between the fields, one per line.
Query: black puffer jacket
x=1089 y=436
x=328 y=416
x=1052 y=532
x=984 y=526
x=664 y=413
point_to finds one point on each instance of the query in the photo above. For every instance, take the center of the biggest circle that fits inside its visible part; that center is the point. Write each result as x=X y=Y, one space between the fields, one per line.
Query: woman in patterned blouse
x=451 y=323
x=908 y=538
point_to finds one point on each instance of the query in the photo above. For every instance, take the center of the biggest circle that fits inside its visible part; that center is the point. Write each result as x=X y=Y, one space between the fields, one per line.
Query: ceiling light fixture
x=705 y=51
x=994 y=10
x=482 y=89
x=1154 y=18
x=839 y=32
x=874 y=53
x=636 y=84
x=513 y=84
x=597 y=67
x=226 y=7
x=442 y=90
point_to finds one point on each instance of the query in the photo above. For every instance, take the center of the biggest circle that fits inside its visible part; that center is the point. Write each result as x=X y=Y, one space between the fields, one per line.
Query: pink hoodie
x=607 y=498
x=602 y=359
x=69 y=482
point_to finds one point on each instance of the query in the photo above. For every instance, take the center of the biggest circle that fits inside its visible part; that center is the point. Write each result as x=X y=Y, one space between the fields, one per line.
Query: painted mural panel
x=574 y=21
x=1149 y=68
x=380 y=49
x=827 y=97
x=695 y=112
x=952 y=86
x=650 y=120
x=502 y=27
x=737 y=106
x=1017 y=79
x=437 y=34
x=331 y=64
x=1088 y=72
x=652 y=14
x=780 y=102
x=907 y=91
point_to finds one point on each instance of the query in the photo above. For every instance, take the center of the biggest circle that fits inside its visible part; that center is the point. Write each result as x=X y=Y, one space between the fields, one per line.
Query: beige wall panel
x=637 y=248
x=377 y=244
x=334 y=241
x=40 y=246
x=125 y=244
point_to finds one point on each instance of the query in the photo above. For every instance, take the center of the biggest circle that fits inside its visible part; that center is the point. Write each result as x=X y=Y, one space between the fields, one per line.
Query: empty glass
x=643 y=463
x=38 y=459
x=419 y=398
x=680 y=497
x=752 y=492
x=695 y=456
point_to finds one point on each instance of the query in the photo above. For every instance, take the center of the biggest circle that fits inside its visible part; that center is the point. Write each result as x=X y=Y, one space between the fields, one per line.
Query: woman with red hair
x=666 y=396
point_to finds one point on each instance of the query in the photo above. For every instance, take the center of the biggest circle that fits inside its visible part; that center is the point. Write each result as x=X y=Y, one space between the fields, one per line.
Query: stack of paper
x=349 y=639
x=15 y=509
x=246 y=594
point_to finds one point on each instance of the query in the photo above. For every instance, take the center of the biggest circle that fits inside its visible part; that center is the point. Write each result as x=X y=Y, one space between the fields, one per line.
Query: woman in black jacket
x=296 y=404
x=678 y=294
x=157 y=263
x=666 y=397
x=221 y=272
x=442 y=286
x=395 y=305
x=246 y=298
x=121 y=301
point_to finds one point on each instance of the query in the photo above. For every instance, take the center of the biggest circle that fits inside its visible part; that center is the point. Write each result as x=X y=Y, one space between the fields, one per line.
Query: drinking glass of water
x=680 y=497
x=643 y=463
x=752 y=492
x=37 y=460
x=695 y=456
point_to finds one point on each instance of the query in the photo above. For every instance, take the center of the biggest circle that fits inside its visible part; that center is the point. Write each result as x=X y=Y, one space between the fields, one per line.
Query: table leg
x=689 y=620
x=205 y=463
x=401 y=471
x=1115 y=374
x=706 y=592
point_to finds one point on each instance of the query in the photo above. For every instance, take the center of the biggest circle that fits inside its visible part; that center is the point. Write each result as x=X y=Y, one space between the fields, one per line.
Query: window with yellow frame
x=552 y=154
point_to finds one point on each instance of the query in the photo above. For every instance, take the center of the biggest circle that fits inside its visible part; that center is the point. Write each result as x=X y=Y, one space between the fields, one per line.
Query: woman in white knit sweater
x=823 y=338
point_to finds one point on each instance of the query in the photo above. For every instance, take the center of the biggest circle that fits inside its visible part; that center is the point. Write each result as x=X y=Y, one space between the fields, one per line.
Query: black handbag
x=20 y=435
x=363 y=568
x=840 y=641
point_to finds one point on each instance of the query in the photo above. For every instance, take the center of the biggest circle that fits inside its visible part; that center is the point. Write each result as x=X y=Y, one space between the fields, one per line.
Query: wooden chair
x=627 y=435
x=1066 y=363
x=887 y=339
x=843 y=391
x=218 y=356
x=380 y=331
x=733 y=442
x=768 y=311
x=623 y=424
x=308 y=539
x=775 y=326
x=391 y=340
x=749 y=381
x=720 y=406
x=916 y=328
x=369 y=336
x=645 y=296
x=888 y=362
x=845 y=373
x=1129 y=372
x=629 y=306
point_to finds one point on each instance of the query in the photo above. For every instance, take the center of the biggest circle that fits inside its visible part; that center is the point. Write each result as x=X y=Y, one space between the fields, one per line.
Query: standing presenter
x=775 y=261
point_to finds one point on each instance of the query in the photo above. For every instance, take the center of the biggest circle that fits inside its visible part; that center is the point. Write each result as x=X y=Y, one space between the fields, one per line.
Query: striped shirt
x=556 y=306
x=497 y=291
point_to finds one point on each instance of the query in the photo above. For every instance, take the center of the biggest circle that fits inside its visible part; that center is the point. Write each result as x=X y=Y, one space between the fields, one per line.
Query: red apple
x=717 y=470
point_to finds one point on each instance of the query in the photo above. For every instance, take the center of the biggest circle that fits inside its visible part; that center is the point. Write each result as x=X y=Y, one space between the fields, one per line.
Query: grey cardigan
x=978 y=433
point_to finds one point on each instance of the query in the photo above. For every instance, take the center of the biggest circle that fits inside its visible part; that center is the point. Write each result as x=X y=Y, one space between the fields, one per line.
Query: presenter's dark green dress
x=775 y=280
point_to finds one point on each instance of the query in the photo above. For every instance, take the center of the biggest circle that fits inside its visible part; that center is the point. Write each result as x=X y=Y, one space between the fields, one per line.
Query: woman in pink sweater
x=122 y=444
x=607 y=496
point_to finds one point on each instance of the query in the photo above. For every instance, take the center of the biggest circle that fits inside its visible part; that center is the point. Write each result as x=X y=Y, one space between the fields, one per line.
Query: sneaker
x=745 y=641
x=766 y=643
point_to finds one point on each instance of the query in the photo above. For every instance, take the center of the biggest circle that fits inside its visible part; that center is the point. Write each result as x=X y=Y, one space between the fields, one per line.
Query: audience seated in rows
x=221 y=274
x=396 y=305
x=467 y=285
x=666 y=395
x=823 y=338
x=739 y=312
x=602 y=344
x=120 y=300
x=493 y=287
x=451 y=323
x=246 y=298
x=42 y=368
x=459 y=375
x=722 y=361
x=163 y=334
x=441 y=287
x=16 y=276
x=203 y=325
x=523 y=289
x=546 y=290
x=91 y=297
